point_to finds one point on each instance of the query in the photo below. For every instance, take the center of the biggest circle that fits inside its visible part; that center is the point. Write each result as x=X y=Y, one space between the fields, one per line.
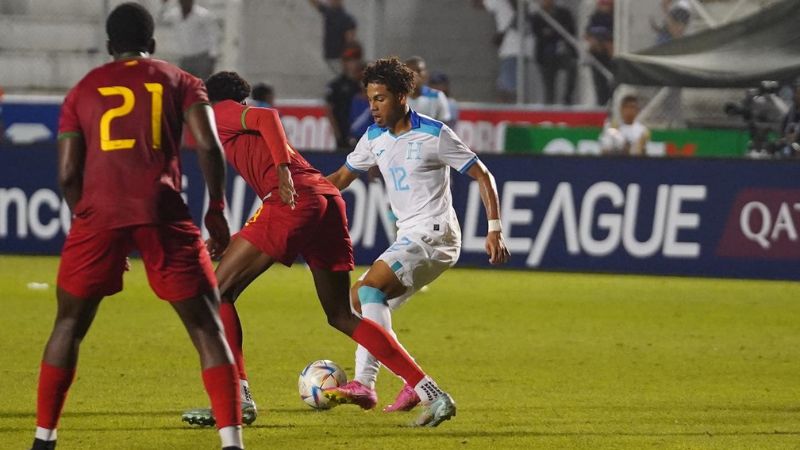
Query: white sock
x=367 y=366
x=427 y=390
x=231 y=437
x=46 y=434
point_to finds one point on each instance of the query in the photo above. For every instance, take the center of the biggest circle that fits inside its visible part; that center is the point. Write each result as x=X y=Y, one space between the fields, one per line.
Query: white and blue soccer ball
x=315 y=378
x=612 y=141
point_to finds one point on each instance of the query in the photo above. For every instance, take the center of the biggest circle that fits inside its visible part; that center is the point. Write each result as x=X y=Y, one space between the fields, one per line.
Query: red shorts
x=174 y=255
x=316 y=229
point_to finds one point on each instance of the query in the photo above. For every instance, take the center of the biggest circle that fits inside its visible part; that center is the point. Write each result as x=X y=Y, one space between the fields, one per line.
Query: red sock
x=388 y=351
x=54 y=382
x=233 y=334
x=222 y=385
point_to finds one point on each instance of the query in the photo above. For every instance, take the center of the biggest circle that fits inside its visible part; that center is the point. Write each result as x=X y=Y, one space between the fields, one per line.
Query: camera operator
x=762 y=111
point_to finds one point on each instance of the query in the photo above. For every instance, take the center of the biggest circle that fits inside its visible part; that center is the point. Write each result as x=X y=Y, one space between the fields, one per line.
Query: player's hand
x=496 y=248
x=286 y=186
x=219 y=234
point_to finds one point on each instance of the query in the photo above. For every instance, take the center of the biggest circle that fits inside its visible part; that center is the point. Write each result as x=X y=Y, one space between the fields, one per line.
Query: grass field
x=534 y=360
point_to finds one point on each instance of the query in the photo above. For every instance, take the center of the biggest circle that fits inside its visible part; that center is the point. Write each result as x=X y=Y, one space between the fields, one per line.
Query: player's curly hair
x=129 y=28
x=227 y=86
x=392 y=73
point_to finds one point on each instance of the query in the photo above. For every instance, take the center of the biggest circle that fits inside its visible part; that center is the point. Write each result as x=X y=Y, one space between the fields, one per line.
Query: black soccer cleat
x=39 y=444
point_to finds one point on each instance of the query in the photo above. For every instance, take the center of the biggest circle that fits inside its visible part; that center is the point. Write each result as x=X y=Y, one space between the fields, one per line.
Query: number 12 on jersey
x=156 y=91
x=399 y=176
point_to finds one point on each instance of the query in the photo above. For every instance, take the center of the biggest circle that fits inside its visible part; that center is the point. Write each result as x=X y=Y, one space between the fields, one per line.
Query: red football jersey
x=254 y=142
x=130 y=114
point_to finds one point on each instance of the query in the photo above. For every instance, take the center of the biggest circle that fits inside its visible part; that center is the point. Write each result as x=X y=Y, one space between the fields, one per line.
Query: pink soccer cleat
x=406 y=400
x=353 y=393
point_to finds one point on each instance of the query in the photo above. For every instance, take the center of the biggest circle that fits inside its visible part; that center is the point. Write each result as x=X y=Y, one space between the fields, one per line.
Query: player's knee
x=343 y=321
x=69 y=330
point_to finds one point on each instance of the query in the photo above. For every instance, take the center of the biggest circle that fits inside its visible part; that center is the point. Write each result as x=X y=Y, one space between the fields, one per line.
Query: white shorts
x=417 y=259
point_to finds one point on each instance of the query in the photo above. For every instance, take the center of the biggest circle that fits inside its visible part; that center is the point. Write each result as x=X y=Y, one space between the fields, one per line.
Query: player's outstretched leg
x=370 y=297
x=220 y=376
x=241 y=264
x=333 y=292
x=57 y=370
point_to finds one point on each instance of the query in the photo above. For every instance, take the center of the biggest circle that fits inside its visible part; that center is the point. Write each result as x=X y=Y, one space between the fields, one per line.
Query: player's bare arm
x=342 y=178
x=200 y=119
x=495 y=245
x=269 y=126
x=71 y=156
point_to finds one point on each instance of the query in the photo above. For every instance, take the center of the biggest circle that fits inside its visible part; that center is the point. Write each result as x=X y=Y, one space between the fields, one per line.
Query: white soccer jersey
x=432 y=103
x=416 y=170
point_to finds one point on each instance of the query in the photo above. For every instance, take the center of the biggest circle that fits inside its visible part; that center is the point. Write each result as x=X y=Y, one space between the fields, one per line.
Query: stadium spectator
x=302 y=214
x=440 y=81
x=416 y=154
x=197 y=33
x=360 y=117
x=790 y=126
x=339 y=30
x=262 y=95
x=555 y=54
x=507 y=40
x=340 y=93
x=627 y=137
x=677 y=14
x=423 y=99
x=600 y=37
x=123 y=195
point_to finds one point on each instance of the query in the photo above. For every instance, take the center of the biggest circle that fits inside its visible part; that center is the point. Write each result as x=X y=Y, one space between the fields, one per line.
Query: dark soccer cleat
x=203 y=417
x=39 y=444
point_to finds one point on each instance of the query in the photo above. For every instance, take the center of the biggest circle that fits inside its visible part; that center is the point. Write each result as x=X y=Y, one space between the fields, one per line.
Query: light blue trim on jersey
x=368 y=294
x=397 y=265
x=430 y=126
x=353 y=169
x=425 y=125
x=469 y=164
x=429 y=92
x=374 y=131
x=418 y=123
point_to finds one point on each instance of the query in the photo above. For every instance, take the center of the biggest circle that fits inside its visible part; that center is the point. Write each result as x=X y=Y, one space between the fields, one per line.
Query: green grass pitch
x=534 y=360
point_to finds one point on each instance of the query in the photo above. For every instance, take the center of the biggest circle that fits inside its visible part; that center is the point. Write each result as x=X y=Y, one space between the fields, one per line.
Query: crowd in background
x=543 y=32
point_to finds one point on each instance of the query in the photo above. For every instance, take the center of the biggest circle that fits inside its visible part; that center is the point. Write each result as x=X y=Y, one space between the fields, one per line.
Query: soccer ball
x=315 y=378
x=612 y=141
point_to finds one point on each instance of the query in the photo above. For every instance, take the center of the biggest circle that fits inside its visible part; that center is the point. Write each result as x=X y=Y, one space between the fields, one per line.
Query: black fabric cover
x=763 y=46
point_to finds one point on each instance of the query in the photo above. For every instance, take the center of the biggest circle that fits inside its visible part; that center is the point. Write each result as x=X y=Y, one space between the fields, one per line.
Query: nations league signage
x=727 y=218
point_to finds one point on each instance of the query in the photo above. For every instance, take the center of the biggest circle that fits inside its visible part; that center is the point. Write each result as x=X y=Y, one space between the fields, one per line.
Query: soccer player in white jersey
x=414 y=154
x=424 y=99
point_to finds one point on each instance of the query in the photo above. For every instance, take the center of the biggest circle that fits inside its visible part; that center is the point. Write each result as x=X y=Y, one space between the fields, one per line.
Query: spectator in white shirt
x=628 y=137
x=423 y=99
x=507 y=39
x=196 y=33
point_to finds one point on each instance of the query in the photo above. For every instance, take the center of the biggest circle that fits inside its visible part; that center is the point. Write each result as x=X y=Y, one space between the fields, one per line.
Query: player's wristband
x=495 y=225
x=216 y=205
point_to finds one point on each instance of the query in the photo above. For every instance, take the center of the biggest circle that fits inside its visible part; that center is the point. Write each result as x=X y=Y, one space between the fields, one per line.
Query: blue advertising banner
x=726 y=218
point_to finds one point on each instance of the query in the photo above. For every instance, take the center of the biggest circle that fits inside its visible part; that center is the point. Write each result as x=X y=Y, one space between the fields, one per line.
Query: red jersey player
x=302 y=214
x=119 y=136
